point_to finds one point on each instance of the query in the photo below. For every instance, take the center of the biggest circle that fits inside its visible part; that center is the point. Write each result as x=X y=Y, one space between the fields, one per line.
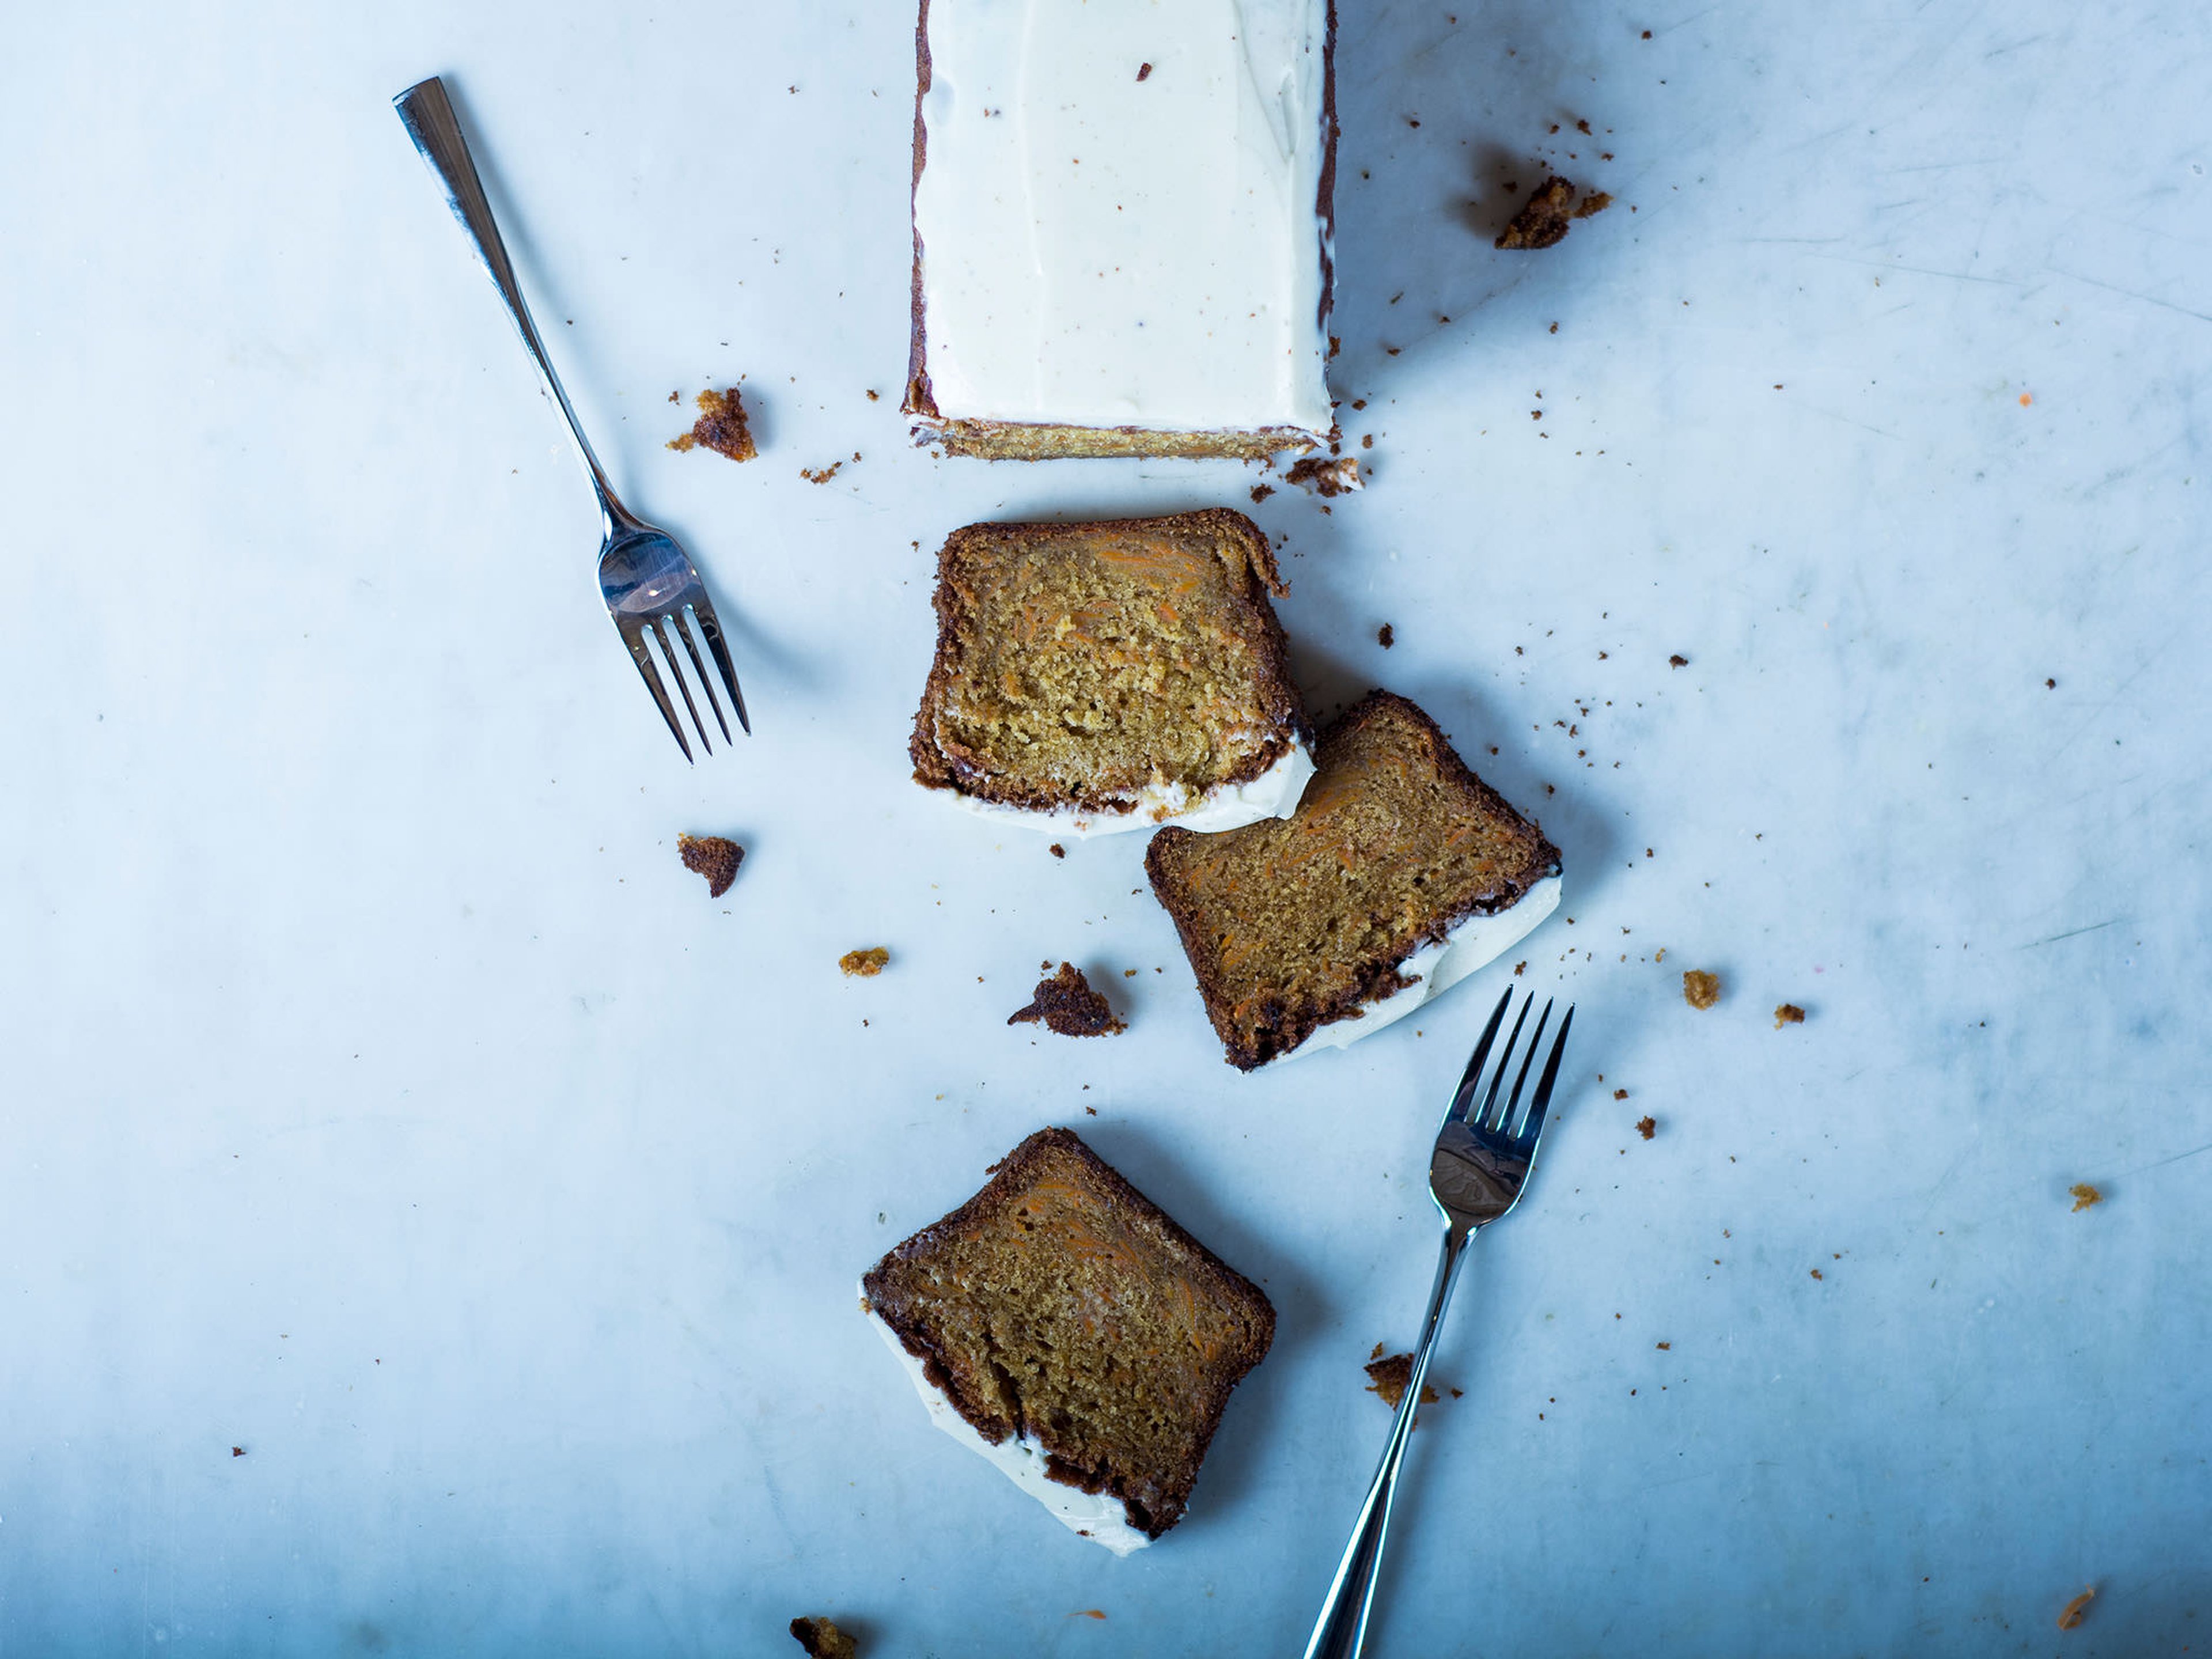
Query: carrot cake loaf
x=1401 y=873
x=1060 y=1324
x=1123 y=218
x=1095 y=678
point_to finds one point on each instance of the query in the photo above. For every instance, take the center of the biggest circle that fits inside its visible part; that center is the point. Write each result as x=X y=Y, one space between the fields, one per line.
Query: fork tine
x=634 y=637
x=1511 y=1109
x=676 y=673
x=1456 y=1111
x=1505 y=1059
x=1537 y=1106
x=711 y=627
x=683 y=631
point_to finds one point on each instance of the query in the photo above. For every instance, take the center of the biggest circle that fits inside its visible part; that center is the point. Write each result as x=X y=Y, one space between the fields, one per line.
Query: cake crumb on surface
x=1647 y=1127
x=1143 y=70
x=864 y=964
x=1543 y=218
x=238 y=1451
x=1389 y=1378
x=1788 y=1014
x=1678 y=661
x=824 y=1640
x=715 y=857
x=1067 y=1005
x=1816 y=1272
x=1386 y=636
x=820 y=475
x=1620 y=1094
x=1261 y=492
x=1057 y=850
x=2069 y=1616
x=1700 y=989
x=1331 y=476
x=1596 y=202
x=721 y=426
x=2084 y=1195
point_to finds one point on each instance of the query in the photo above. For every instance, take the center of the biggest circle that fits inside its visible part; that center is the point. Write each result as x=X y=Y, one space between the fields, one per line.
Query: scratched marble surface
x=429 y=1223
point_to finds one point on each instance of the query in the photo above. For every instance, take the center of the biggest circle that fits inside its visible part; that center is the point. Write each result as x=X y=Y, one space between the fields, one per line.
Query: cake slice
x=1093 y=677
x=1060 y=1324
x=1121 y=217
x=1401 y=873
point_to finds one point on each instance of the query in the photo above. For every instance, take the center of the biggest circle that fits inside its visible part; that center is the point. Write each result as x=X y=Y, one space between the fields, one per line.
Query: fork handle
x=427 y=115
x=1341 y=1630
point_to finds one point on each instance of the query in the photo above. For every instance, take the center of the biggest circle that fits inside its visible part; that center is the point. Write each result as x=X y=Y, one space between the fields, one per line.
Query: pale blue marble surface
x=383 y=1098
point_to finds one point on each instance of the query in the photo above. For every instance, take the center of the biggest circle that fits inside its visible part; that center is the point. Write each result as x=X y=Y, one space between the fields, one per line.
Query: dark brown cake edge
x=1007 y=1176
x=1375 y=979
x=997 y=441
x=934 y=769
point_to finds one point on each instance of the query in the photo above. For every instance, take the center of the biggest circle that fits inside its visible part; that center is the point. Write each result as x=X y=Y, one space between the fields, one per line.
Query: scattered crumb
x=1057 y=850
x=1647 y=34
x=1261 y=492
x=1543 y=218
x=1647 y=1127
x=1678 y=661
x=1596 y=202
x=2084 y=1195
x=674 y=399
x=1326 y=477
x=1661 y=954
x=875 y=397
x=238 y=1451
x=1700 y=989
x=1519 y=966
x=823 y=1639
x=1386 y=636
x=720 y=427
x=1788 y=1014
x=1143 y=70
x=1389 y=1378
x=820 y=475
x=2025 y=400
x=715 y=857
x=864 y=964
x=1620 y=1094
x=2069 y=1616
x=1583 y=127
x=1091 y=1111
x=1816 y=1272
x=1664 y=1346
x=2051 y=685
x=1066 y=1005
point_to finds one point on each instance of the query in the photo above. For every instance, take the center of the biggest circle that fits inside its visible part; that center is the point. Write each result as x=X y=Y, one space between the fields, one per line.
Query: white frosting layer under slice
x=1273 y=794
x=1098 y=1516
x=1101 y=250
x=1474 y=942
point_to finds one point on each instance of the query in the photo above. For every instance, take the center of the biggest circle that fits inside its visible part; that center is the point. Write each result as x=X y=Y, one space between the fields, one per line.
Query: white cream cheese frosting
x=1273 y=794
x=1099 y=1516
x=1102 y=250
x=1472 y=944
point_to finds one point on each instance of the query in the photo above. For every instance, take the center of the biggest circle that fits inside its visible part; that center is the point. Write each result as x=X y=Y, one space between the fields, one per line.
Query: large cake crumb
x=715 y=857
x=824 y=1640
x=1326 y=475
x=1543 y=219
x=1066 y=1005
x=1389 y=1378
x=1700 y=989
x=864 y=964
x=721 y=426
x=1647 y=1127
x=1788 y=1014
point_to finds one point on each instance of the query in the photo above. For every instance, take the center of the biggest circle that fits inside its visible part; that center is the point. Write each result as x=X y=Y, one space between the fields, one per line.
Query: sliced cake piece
x=1122 y=216
x=1401 y=873
x=1060 y=1324
x=1092 y=678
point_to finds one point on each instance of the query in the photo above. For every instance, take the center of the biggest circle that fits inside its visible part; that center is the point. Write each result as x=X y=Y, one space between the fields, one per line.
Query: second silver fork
x=1480 y=1160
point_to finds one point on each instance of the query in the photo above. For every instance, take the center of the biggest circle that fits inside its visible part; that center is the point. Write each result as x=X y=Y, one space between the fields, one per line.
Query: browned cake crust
x=1062 y=1305
x=1214 y=540
x=1008 y=441
x=1281 y=943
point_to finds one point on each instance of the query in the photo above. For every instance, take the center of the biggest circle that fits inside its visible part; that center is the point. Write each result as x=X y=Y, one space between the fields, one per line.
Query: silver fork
x=647 y=579
x=1476 y=1171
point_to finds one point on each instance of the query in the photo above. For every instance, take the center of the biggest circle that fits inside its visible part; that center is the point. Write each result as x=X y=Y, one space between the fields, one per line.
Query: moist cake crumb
x=1543 y=218
x=715 y=857
x=1788 y=1014
x=824 y=1640
x=1388 y=1377
x=1261 y=492
x=1324 y=475
x=2084 y=1195
x=1067 y=1005
x=2069 y=1616
x=1700 y=989
x=721 y=426
x=1386 y=636
x=1647 y=1127
x=864 y=964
